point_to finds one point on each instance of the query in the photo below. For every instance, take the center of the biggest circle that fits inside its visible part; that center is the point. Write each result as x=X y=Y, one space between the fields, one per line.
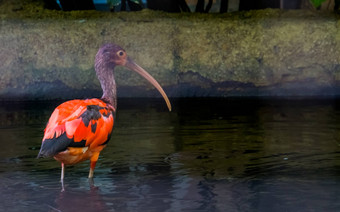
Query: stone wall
x=50 y=54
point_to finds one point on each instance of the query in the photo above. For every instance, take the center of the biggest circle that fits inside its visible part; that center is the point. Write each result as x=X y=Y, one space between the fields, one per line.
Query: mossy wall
x=49 y=54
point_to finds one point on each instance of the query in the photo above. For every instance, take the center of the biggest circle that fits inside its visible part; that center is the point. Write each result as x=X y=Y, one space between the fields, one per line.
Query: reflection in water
x=87 y=200
x=206 y=155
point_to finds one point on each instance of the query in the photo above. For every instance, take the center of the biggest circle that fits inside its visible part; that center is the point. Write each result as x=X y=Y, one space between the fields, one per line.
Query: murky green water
x=206 y=155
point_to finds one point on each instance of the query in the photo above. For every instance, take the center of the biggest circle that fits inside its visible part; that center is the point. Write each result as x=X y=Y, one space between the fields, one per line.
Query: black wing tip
x=51 y=147
x=44 y=154
x=39 y=156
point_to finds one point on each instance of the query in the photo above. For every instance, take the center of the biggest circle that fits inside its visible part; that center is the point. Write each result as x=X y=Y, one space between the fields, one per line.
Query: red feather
x=70 y=118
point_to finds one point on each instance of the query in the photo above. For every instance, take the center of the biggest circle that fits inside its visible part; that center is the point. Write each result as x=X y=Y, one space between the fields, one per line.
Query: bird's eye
x=120 y=53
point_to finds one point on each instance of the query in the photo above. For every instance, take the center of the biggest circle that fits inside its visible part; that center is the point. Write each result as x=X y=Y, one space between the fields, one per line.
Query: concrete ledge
x=49 y=54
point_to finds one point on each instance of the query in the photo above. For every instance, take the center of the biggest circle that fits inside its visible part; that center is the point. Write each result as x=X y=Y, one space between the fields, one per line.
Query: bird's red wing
x=84 y=122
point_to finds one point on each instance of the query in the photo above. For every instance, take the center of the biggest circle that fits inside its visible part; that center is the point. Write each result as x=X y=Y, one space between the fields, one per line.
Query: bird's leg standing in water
x=93 y=160
x=91 y=183
x=62 y=172
x=93 y=165
x=91 y=172
x=62 y=176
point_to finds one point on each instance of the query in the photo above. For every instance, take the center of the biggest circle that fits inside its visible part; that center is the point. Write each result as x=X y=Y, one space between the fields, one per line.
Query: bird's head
x=113 y=55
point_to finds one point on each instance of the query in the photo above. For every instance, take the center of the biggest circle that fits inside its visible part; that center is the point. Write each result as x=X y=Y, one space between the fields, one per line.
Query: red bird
x=79 y=130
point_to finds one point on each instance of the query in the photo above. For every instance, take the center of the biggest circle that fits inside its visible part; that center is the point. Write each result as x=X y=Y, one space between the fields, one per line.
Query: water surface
x=205 y=155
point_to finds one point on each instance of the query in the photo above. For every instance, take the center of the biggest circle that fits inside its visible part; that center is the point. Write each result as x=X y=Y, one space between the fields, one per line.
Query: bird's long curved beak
x=133 y=66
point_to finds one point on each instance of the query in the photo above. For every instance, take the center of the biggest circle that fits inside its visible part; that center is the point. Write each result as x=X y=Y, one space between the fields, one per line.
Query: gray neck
x=107 y=81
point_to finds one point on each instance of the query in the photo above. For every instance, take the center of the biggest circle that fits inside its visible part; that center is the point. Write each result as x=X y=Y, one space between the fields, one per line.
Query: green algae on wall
x=50 y=54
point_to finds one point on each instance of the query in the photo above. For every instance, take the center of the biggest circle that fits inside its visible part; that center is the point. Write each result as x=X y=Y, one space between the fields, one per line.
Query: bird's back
x=78 y=124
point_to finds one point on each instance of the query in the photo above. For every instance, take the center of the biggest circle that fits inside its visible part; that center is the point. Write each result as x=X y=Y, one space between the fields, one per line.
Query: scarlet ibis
x=79 y=130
